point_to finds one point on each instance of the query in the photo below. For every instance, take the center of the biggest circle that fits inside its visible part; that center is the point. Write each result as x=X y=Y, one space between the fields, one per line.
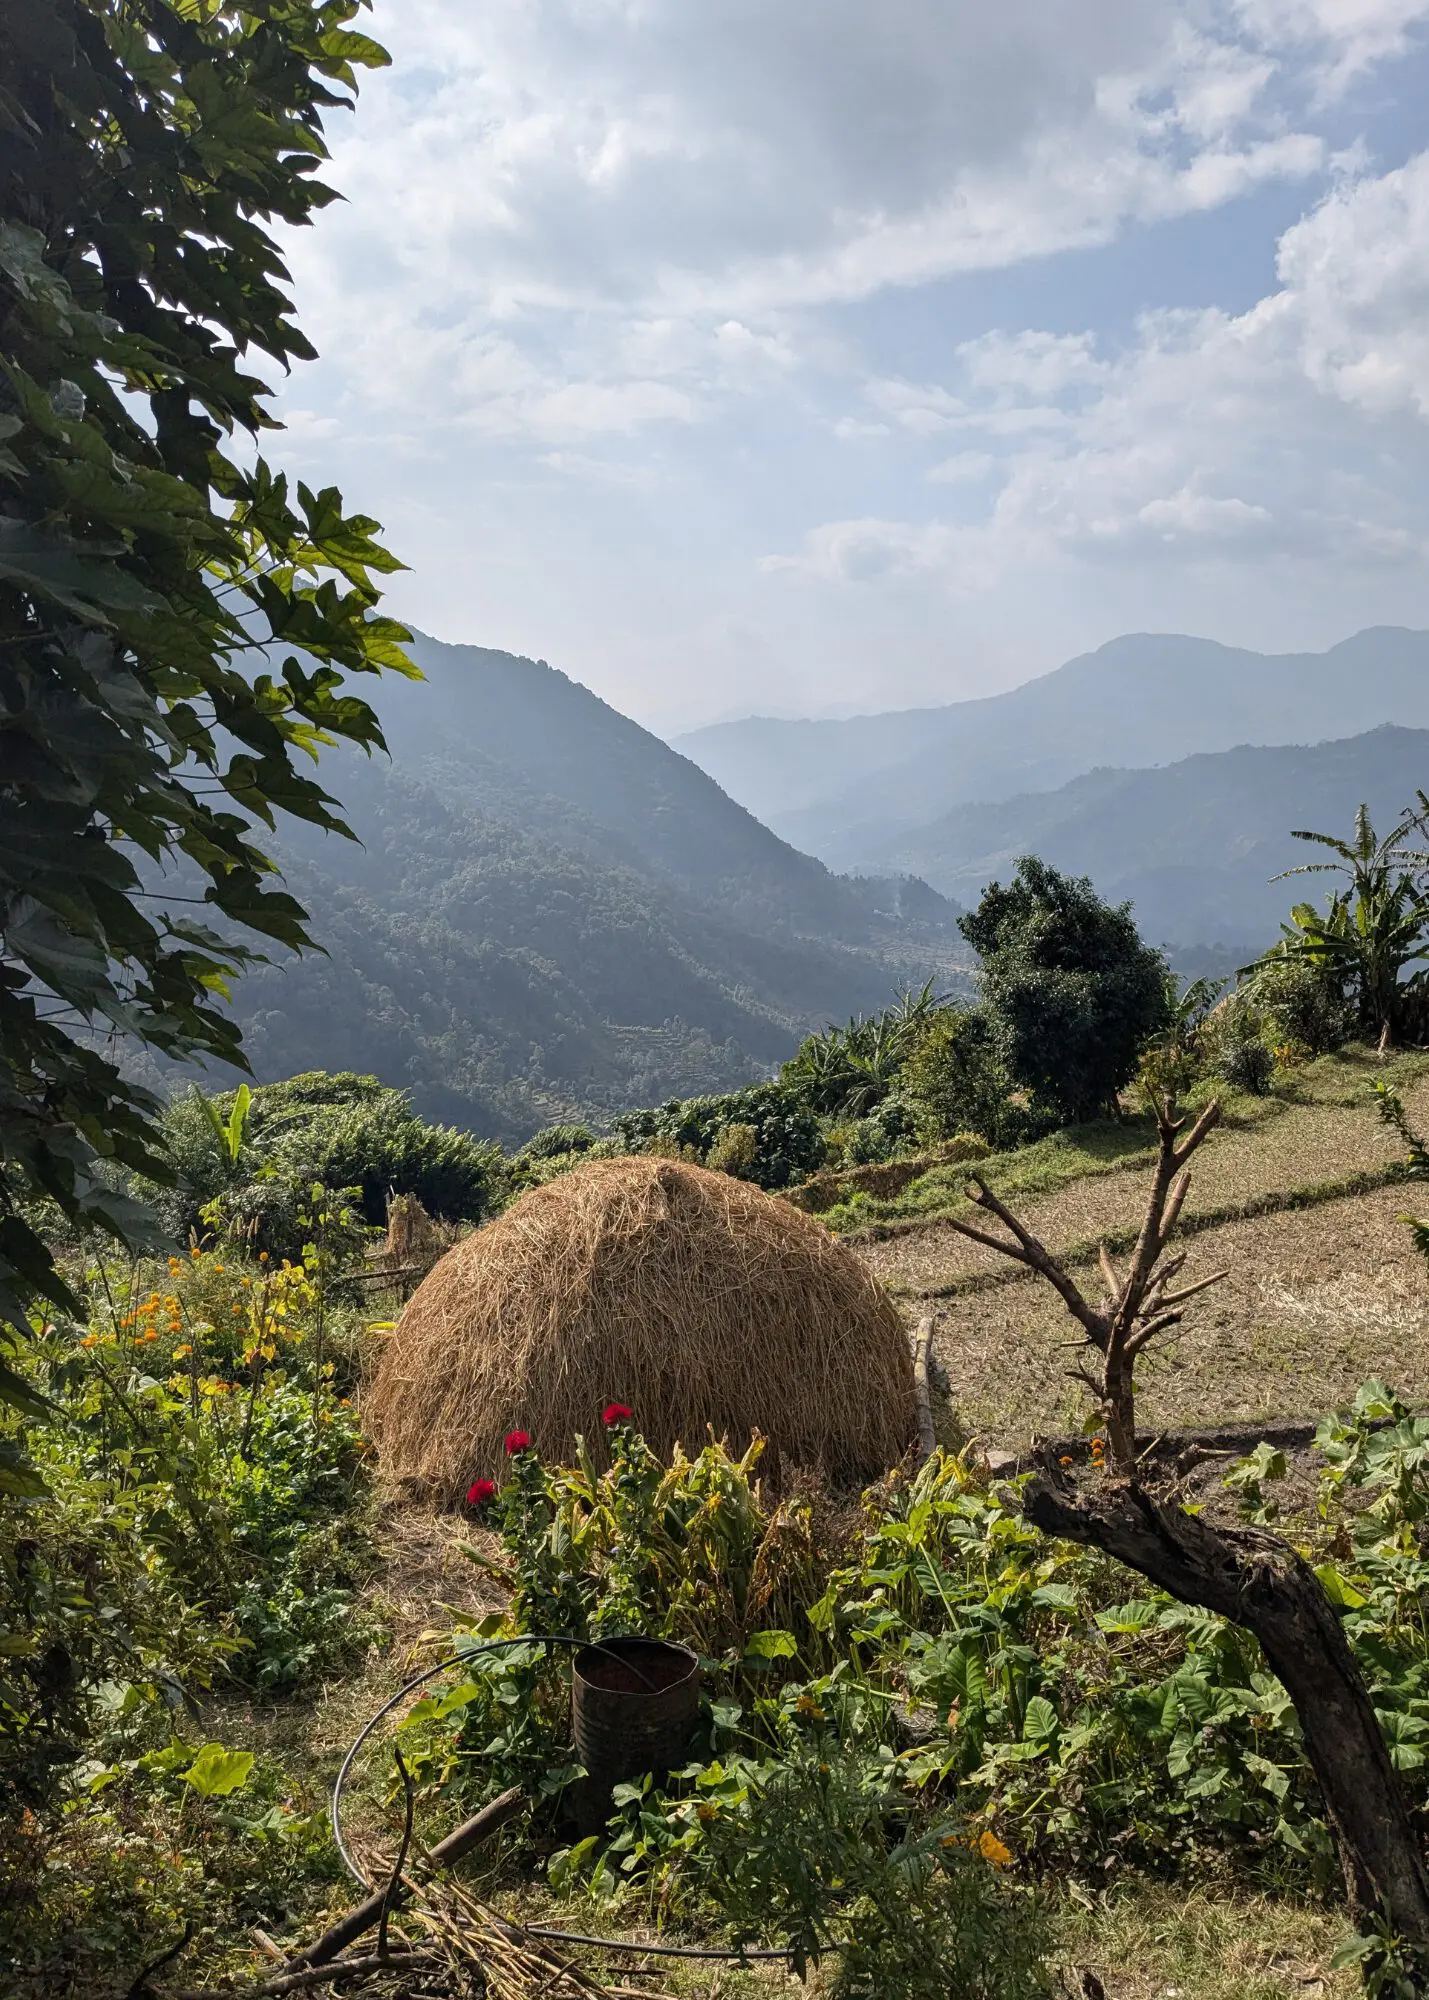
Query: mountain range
x=1194 y=846
x=551 y=914
x=850 y=791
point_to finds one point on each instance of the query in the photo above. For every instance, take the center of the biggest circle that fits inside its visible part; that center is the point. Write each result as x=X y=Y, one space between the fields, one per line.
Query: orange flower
x=992 y=1850
x=219 y=1269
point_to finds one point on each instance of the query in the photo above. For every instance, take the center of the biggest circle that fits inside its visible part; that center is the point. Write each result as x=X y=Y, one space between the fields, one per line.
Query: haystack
x=694 y=1298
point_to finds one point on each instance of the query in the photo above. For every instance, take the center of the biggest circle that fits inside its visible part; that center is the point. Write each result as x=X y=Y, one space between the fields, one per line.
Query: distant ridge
x=1192 y=845
x=844 y=790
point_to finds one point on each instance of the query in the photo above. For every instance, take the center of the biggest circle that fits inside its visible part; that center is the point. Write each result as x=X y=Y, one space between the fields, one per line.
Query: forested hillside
x=843 y=790
x=551 y=914
x=1194 y=845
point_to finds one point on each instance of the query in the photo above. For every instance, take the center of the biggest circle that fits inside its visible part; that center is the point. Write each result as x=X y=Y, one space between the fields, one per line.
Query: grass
x=1299 y=1149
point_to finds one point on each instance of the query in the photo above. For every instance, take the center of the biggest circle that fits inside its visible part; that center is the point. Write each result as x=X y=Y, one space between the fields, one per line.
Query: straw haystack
x=694 y=1298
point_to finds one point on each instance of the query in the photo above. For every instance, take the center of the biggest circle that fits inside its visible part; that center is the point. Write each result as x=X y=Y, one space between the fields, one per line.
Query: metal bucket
x=634 y=1705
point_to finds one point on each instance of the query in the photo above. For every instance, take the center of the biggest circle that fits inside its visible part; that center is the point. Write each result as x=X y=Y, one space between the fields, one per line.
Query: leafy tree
x=1072 y=991
x=1373 y=930
x=146 y=152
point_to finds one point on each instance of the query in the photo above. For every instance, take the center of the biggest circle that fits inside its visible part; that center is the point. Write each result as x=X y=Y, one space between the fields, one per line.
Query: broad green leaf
x=771 y=1645
x=216 y=1773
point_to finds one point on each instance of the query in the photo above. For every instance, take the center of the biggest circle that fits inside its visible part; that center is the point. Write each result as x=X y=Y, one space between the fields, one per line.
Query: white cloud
x=637 y=191
x=1298 y=428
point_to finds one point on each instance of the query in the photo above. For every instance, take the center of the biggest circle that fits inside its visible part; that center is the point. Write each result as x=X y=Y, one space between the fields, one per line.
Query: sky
x=811 y=357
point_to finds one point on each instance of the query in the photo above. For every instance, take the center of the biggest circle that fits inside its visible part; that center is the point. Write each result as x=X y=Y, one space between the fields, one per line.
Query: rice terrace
x=782 y=1348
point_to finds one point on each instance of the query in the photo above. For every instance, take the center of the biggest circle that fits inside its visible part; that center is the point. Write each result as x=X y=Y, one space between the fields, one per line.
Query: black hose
x=533 y=1930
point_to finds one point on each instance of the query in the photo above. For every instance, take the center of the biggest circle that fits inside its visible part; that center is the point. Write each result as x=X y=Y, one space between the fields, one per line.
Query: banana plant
x=1372 y=931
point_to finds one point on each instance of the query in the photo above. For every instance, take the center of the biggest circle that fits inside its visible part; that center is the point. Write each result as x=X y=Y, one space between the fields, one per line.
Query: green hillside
x=552 y=915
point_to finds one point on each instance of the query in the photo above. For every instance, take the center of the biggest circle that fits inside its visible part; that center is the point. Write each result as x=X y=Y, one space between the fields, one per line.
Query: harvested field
x=1306 y=1149
x=1317 y=1299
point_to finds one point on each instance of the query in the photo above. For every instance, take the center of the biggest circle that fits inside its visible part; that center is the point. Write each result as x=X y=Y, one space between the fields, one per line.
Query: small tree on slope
x=1072 y=991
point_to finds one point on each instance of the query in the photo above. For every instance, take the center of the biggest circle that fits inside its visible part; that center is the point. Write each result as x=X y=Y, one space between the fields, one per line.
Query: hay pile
x=694 y=1298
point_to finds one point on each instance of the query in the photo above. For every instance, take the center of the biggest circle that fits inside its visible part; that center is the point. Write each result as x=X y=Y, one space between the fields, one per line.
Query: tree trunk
x=1259 y=1581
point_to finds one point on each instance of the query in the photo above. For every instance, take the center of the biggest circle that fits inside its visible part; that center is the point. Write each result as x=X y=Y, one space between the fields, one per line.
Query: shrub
x=557 y=1139
x=788 y=1144
x=955 y=1080
x=201 y=1516
x=1304 y=1004
x=341 y=1131
x=1248 y=1066
x=1071 y=990
x=734 y=1152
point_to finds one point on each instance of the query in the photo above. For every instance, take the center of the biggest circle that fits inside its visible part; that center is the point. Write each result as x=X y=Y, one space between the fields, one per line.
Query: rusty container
x=634 y=1706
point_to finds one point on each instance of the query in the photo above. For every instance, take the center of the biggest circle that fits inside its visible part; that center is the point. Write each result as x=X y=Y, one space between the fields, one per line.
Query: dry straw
x=694 y=1298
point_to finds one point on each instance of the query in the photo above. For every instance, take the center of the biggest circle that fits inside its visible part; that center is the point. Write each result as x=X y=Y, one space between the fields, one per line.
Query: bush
x=788 y=1144
x=1303 y=1004
x=1071 y=990
x=1248 y=1066
x=955 y=1081
x=734 y=1152
x=201 y=1516
x=555 y=1140
x=341 y=1131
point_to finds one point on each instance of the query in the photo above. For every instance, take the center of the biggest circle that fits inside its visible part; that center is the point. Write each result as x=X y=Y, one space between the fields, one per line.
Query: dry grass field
x=1297 y=1203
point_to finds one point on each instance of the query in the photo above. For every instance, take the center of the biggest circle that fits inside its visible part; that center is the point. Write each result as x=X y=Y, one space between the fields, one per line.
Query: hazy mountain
x=1194 y=844
x=842 y=790
x=552 y=914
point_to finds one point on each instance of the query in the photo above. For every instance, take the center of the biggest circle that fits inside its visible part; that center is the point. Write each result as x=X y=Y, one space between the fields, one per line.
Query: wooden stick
x=922 y=1389
x=457 y=1843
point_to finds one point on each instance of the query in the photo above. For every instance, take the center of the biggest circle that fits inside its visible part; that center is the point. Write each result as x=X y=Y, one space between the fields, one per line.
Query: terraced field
x=1300 y=1205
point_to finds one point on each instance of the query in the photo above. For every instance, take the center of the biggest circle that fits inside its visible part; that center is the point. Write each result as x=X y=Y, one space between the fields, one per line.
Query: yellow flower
x=992 y=1850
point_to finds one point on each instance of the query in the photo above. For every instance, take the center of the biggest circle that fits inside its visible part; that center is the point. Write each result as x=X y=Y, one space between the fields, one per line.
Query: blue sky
x=814 y=356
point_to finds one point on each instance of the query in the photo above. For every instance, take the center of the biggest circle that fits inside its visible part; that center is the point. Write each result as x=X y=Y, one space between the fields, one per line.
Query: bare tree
x=1245 y=1574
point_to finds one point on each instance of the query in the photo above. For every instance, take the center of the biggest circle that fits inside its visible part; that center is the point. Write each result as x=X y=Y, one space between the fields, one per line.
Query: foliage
x=735 y=1152
x=787 y=1139
x=1369 y=933
x=845 y=1072
x=1173 y=1060
x=1072 y=991
x=1303 y=1002
x=956 y=1081
x=1248 y=1066
x=143 y=565
x=975 y=1679
x=203 y=1520
x=555 y=1140
x=338 y=1132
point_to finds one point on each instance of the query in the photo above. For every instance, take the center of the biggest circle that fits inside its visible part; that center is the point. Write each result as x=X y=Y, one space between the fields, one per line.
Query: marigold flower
x=615 y=1413
x=516 y=1441
x=1064 y=1459
x=993 y=1851
x=480 y=1491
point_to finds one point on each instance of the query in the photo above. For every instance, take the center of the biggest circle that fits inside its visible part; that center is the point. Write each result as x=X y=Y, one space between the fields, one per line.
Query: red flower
x=480 y=1491
x=516 y=1441
x=615 y=1413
